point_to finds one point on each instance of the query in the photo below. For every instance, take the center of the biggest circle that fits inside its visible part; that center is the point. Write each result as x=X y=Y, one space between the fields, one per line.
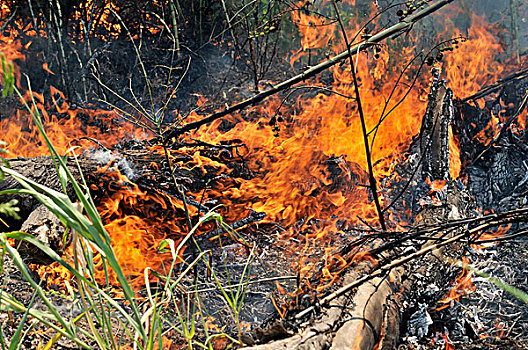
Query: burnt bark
x=434 y=142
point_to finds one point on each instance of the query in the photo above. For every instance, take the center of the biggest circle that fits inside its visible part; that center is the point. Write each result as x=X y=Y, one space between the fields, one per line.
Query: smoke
x=118 y=161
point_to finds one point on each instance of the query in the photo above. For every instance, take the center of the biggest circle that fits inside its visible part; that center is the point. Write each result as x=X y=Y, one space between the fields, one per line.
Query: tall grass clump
x=106 y=322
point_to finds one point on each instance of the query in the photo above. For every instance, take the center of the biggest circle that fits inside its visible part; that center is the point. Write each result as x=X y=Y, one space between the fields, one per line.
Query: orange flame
x=315 y=32
x=455 y=164
x=310 y=177
x=448 y=345
x=473 y=64
x=463 y=285
x=46 y=68
x=491 y=235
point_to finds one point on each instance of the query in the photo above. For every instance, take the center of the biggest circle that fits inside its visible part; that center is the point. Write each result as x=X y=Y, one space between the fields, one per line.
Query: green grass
x=139 y=317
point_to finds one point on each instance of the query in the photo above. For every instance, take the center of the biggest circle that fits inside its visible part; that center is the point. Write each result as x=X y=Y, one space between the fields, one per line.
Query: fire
x=490 y=131
x=499 y=329
x=315 y=32
x=211 y=325
x=310 y=176
x=463 y=285
x=454 y=156
x=135 y=238
x=473 y=63
x=436 y=185
x=63 y=124
x=448 y=345
x=106 y=19
x=63 y=127
x=300 y=178
x=491 y=235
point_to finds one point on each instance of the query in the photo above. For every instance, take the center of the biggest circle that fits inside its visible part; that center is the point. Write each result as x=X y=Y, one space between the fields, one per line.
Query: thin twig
x=372 y=179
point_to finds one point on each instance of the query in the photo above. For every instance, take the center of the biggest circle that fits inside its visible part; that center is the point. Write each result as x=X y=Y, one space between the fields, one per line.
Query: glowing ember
x=436 y=185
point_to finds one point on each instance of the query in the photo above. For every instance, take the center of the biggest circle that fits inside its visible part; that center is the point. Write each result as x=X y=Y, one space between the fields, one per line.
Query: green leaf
x=10 y=209
x=8 y=76
x=162 y=245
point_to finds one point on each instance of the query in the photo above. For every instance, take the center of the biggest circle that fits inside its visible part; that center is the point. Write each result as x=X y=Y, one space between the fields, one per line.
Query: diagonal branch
x=395 y=30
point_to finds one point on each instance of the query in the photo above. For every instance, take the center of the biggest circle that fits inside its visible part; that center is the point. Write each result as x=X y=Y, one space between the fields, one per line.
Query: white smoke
x=118 y=161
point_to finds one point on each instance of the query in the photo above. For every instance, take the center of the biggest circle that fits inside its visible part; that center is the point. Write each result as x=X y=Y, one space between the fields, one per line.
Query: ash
x=497 y=178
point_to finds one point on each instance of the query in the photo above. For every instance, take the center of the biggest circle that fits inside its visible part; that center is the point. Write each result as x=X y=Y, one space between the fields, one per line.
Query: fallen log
x=41 y=170
x=148 y=170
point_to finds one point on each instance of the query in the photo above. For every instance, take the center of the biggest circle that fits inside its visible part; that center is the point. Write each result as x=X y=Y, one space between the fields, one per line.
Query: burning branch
x=393 y=31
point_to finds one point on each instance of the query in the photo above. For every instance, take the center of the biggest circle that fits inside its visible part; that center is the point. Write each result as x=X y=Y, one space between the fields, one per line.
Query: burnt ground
x=490 y=305
x=487 y=316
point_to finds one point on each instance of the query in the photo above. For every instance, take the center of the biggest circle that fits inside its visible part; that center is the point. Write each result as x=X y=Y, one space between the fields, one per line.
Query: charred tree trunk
x=434 y=142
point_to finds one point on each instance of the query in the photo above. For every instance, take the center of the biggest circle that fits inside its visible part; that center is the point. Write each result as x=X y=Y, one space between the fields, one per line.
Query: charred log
x=435 y=131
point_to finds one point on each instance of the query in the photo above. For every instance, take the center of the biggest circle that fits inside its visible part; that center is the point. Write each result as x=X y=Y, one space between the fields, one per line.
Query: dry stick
x=484 y=222
x=422 y=158
x=522 y=74
x=180 y=191
x=506 y=217
x=57 y=17
x=372 y=179
x=394 y=30
x=515 y=29
x=4 y=25
x=520 y=233
x=175 y=28
x=33 y=19
x=255 y=216
x=504 y=127
x=384 y=269
x=269 y=279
